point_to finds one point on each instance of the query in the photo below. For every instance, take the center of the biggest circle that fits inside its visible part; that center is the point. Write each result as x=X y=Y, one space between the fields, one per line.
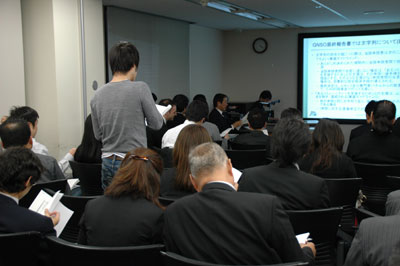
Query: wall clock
x=260 y=45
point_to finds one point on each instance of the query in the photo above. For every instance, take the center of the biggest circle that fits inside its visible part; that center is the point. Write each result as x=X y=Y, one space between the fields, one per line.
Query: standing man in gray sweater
x=119 y=109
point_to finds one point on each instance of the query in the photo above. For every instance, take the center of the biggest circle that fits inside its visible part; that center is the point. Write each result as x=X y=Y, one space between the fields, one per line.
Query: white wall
x=12 y=76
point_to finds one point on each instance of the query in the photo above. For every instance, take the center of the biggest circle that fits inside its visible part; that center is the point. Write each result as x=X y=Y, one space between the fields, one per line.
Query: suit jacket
x=123 y=221
x=254 y=137
x=373 y=148
x=360 y=131
x=167 y=185
x=52 y=170
x=14 y=219
x=220 y=225
x=374 y=241
x=178 y=119
x=342 y=167
x=222 y=121
x=296 y=189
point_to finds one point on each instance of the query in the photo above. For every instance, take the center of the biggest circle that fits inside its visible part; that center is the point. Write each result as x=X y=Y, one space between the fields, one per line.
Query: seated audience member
x=296 y=189
x=326 y=158
x=265 y=97
x=216 y=223
x=376 y=237
x=182 y=103
x=258 y=135
x=16 y=133
x=175 y=182
x=154 y=137
x=196 y=114
x=291 y=113
x=211 y=128
x=218 y=115
x=129 y=213
x=366 y=128
x=380 y=145
x=31 y=116
x=89 y=151
x=19 y=170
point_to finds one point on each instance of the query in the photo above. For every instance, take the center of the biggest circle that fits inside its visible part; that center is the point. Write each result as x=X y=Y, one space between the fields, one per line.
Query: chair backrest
x=89 y=175
x=362 y=214
x=393 y=182
x=343 y=191
x=20 y=248
x=322 y=224
x=239 y=146
x=242 y=159
x=374 y=175
x=64 y=253
x=173 y=259
x=55 y=185
x=77 y=204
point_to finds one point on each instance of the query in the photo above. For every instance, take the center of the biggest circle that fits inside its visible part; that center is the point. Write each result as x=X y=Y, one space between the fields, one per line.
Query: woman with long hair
x=175 y=182
x=129 y=213
x=326 y=158
x=89 y=151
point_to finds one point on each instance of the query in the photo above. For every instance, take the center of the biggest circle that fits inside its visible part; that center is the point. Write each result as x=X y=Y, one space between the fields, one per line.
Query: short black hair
x=291 y=139
x=266 y=94
x=196 y=111
x=15 y=132
x=291 y=113
x=219 y=97
x=24 y=112
x=17 y=164
x=154 y=96
x=383 y=115
x=181 y=101
x=123 y=56
x=257 y=118
x=369 y=108
x=200 y=97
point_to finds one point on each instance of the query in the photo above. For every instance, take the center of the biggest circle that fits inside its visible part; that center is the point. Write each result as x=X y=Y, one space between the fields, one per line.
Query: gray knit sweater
x=119 y=110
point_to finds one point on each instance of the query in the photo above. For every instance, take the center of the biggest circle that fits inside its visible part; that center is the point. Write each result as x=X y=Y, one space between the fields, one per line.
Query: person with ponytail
x=380 y=145
x=129 y=213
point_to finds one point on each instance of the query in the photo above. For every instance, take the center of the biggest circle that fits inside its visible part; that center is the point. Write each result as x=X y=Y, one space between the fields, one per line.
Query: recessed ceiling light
x=374 y=12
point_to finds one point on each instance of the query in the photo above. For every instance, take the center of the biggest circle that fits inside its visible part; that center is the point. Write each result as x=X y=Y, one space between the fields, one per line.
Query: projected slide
x=342 y=74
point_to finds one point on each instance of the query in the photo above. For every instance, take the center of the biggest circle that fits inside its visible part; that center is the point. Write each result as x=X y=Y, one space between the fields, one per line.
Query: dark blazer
x=14 y=219
x=342 y=167
x=178 y=119
x=220 y=225
x=122 y=221
x=360 y=131
x=374 y=241
x=52 y=170
x=373 y=148
x=222 y=121
x=154 y=137
x=296 y=189
x=167 y=185
x=254 y=137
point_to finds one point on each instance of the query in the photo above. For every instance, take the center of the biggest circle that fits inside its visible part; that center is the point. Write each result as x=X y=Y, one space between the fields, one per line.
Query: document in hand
x=163 y=109
x=45 y=201
x=302 y=238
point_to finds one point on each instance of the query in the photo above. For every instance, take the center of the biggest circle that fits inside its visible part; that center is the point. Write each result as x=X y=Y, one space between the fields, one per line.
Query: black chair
x=375 y=186
x=64 y=253
x=362 y=214
x=393 y=182
x=20 y=248
x=165 y=201
x=76 y=204
x=242 y=159
x=322 y=224
x=166 y=155
x=172 y=259
x=89 y=175
x=54 y=186
x=239 y=146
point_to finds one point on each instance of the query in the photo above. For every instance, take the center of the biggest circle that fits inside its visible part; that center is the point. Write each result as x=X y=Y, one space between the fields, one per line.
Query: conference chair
x=393 y=182
x=173 y=259
x=166 y=155
x=239 y=146
x=21 y=249
x=77 y=204
x=242 y=159
x=89 y=175
x=54 y=186
x=375 y=186
x=322 y=224
x=362 y=214
x=64 y=253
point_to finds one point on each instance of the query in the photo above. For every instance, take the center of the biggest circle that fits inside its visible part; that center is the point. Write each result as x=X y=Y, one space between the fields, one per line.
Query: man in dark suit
x=19 y=170
x=296 y=189
x=182 y=102
x=258 y=135
x=380 y=145
x=376 y=237
x=365 y=128
x=219 y=225
x=15 y=132
x=218 y=115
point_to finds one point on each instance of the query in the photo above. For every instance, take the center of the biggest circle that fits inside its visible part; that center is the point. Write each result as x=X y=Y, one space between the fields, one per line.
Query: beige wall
x=12 y=76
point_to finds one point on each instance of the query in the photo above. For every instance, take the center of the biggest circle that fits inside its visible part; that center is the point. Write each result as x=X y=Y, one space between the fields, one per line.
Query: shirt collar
x=11 y=197
x=223 y=182
x=219 y=111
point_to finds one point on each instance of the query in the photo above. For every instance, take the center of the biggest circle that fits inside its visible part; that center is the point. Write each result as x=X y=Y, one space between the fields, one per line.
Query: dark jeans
x=108 y=169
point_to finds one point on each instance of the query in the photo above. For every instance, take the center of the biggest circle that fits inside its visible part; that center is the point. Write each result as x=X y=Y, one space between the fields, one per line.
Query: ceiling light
x=374 y=12
x=219 y=6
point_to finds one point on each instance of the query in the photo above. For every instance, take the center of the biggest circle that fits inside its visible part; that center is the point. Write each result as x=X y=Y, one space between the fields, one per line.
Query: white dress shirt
x=169 y=138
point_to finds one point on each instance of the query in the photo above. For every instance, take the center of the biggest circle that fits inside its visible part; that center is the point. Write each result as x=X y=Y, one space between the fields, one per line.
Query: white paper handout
x=226 y=131
x=73 y=183
x=45 y=201
x=302 y=238
x=163 y=109
x=236 y=174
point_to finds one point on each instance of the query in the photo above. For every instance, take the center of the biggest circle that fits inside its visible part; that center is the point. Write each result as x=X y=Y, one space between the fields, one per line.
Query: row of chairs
x=52 y=251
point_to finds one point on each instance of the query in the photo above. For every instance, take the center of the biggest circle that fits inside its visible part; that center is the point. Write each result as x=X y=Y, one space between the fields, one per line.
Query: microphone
x=271 y=102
